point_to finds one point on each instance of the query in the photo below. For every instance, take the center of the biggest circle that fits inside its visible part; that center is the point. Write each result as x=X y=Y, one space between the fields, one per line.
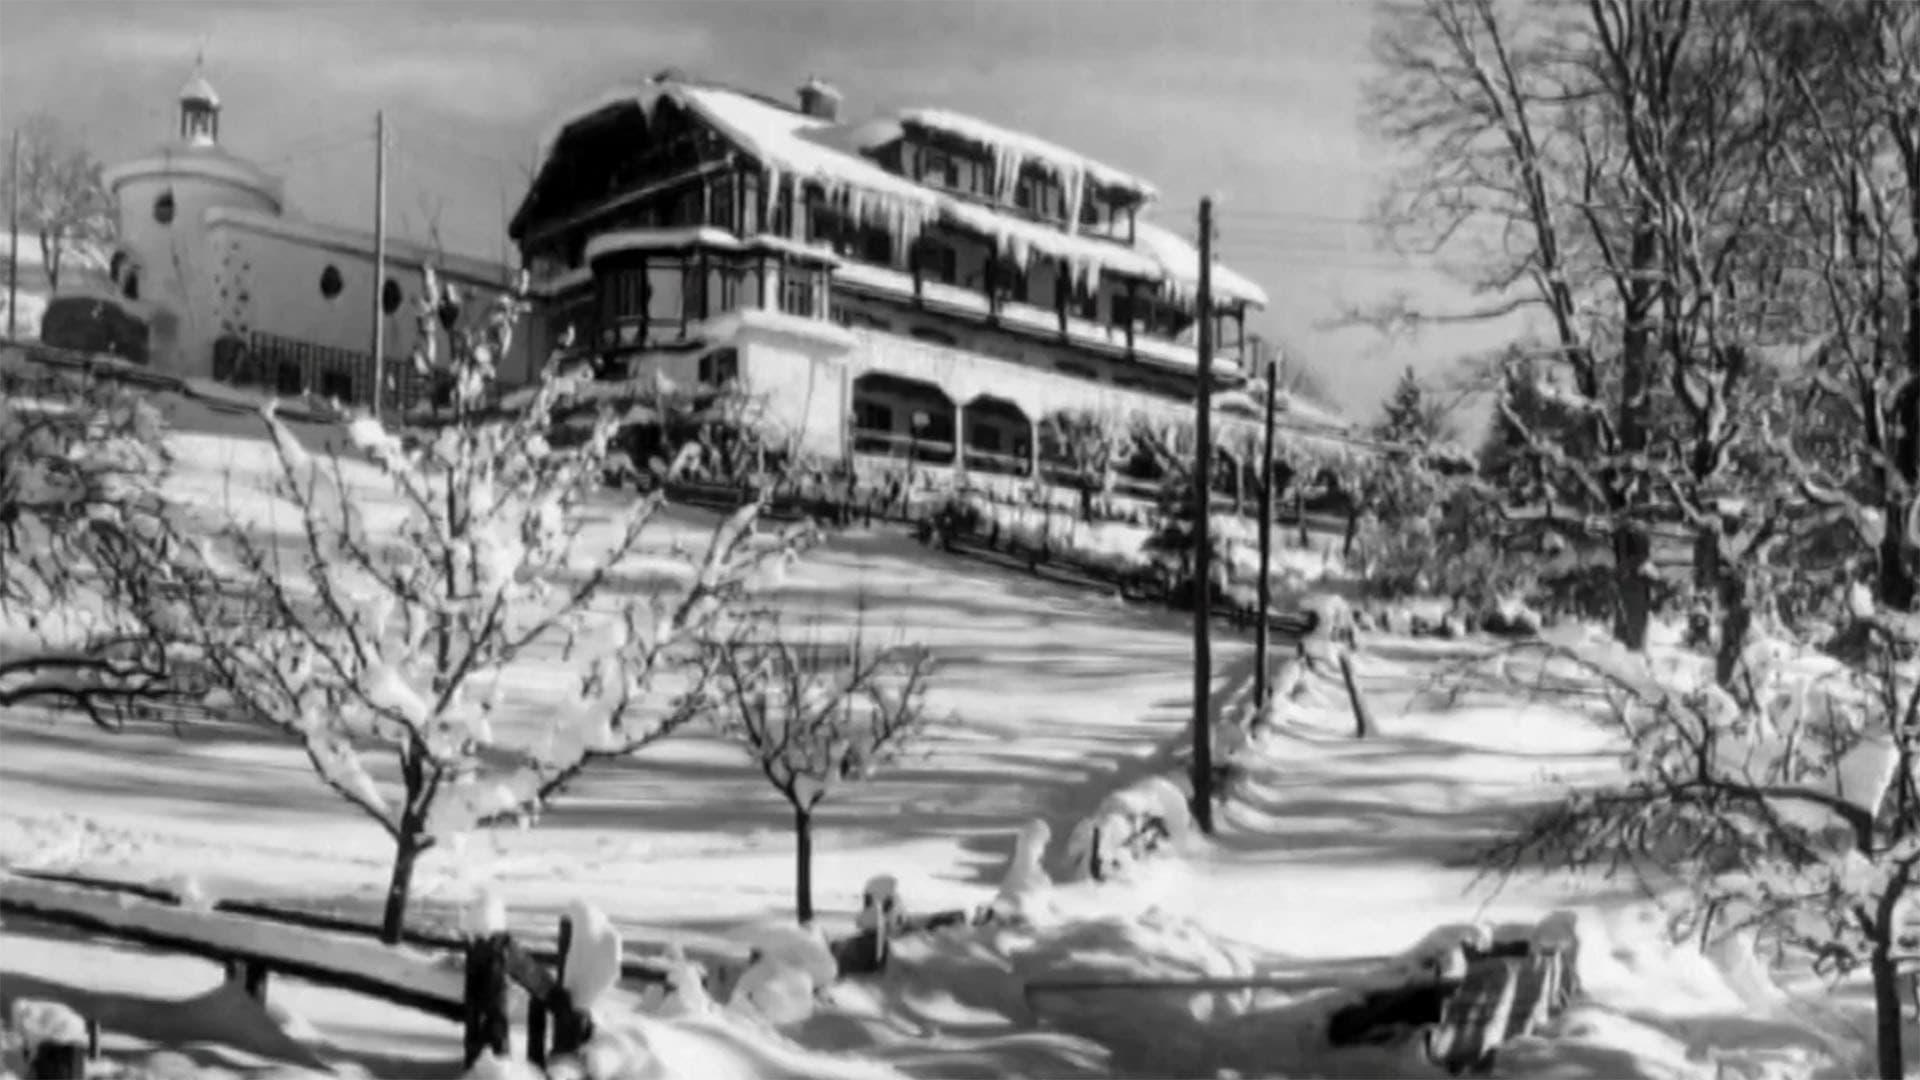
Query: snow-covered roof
x=1013 y=149
x=199 y=89
x=1019 y=239
x=787 y=141
x=607 y=243
x=1182 y=262
x=1083 y=332
x=789 y=246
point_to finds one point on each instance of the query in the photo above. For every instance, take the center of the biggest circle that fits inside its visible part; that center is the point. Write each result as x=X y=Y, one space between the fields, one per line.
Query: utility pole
x=1261 y=641
x=13 y=239
x=379 y=258
x=1202 y=540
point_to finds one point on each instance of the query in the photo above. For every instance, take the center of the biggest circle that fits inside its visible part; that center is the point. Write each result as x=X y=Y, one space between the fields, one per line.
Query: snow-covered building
x=892 y=287
x=237 y=287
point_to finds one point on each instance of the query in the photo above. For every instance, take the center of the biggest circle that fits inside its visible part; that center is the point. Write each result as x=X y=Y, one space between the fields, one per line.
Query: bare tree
x=63 y=202
x=814 y=711
x=1850 y=198
x=1491 y=103
x=389 y=628
x=81 y=526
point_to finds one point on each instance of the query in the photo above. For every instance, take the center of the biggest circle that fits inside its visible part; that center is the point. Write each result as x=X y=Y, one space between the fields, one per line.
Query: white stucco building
x=237 y=287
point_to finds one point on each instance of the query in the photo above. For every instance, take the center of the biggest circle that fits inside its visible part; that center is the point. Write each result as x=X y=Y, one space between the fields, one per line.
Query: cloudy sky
x=1253 y=101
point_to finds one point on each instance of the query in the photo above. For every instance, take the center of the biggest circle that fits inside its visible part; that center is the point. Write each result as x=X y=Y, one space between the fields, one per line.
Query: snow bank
x=1651 y=1008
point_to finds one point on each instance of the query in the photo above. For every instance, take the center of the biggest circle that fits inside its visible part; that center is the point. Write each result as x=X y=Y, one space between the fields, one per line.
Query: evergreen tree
x=1409 y=418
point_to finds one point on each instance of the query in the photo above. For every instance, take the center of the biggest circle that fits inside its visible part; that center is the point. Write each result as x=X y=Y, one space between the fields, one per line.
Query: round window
x=331 y=282
x=390 y=296
x=163 y=208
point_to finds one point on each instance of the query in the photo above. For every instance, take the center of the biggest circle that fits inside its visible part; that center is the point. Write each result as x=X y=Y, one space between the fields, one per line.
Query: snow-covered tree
x=64 y=205
x=1409 y=417
x=438 y=574
x=1785 y=807
x=81 y=525
x=815 y=710
x=1087 y=445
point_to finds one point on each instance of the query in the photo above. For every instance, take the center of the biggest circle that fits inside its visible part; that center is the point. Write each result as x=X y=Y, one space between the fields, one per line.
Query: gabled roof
x=1011 y=149
x=785 y=140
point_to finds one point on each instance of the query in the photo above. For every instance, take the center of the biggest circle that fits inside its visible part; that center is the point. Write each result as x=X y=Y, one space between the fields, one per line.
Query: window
x=1089 y=210
x=1087 y=305
x=1121 y=310
x=731 y=279
x=694 y=299
x=336 y=384
x=938 y=262
x=937 y=167
x=872 y=416
x=796 y=291
x=984 y=437
x=876 y=245
x=163 y=208
x=130 y=288
x=287 y=378
x=1025 y=196
x=719 y=368
x=331 y=282
x=390 y=296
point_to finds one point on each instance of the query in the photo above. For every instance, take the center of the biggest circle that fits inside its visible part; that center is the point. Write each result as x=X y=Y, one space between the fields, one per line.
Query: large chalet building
x=891 y=288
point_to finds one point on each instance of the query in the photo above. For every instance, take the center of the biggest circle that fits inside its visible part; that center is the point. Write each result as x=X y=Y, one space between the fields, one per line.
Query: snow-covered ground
x=1333 y=853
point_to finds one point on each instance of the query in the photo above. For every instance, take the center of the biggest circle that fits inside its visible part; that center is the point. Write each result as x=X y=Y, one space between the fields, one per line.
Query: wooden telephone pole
x=1202 y=540
x=379 y=259
x=1261 y=632
x=13 y=239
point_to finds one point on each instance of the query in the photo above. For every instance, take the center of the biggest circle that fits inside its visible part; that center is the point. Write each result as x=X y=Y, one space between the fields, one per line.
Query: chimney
x=819 y=99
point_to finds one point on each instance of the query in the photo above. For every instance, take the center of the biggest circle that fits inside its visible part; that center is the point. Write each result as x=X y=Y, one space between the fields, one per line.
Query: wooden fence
x=469 y=979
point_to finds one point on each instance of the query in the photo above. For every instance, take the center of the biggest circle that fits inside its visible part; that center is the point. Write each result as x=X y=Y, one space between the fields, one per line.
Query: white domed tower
x=161 y=201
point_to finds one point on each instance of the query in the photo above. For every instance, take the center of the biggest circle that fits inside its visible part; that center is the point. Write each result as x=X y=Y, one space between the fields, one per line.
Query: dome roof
x=200 y=90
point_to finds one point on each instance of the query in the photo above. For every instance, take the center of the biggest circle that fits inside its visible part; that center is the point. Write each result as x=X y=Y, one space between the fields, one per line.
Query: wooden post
x=1362 y=718
x=379 y=259
x=539 y=1008
x=486 y=1026
x=1264 y=587
x=1202 y=733
x=13 y=239
x=572 y=1026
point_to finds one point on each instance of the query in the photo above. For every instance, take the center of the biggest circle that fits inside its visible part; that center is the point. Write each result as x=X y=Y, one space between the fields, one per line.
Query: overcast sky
x=1254 y=101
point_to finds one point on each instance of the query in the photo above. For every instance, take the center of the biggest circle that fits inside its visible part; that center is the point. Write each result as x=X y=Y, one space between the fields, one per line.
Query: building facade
x=236 y=287
x=927 y=286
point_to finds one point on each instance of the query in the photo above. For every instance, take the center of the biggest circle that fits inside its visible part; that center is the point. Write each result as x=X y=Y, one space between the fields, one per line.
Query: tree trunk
x=1890 y=1053
x=803 y=865
x=1633 y=608
x=1632 y=546
x=1896 y=585
x=1736 y=622
x=393 y=918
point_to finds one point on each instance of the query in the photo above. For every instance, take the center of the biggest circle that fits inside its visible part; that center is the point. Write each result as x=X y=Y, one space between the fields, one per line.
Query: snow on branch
x=464 y=599
x=1770 y=802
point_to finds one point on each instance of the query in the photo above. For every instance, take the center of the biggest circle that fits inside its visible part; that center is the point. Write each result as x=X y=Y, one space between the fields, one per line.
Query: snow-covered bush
x=1785 y=806
x=403 y=611
x=1130 y=824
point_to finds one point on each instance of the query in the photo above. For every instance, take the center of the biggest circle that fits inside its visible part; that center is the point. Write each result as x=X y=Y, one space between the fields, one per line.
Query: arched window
x=390 y=296
x=163 y=208
x=130 y=284
x=330 y=282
